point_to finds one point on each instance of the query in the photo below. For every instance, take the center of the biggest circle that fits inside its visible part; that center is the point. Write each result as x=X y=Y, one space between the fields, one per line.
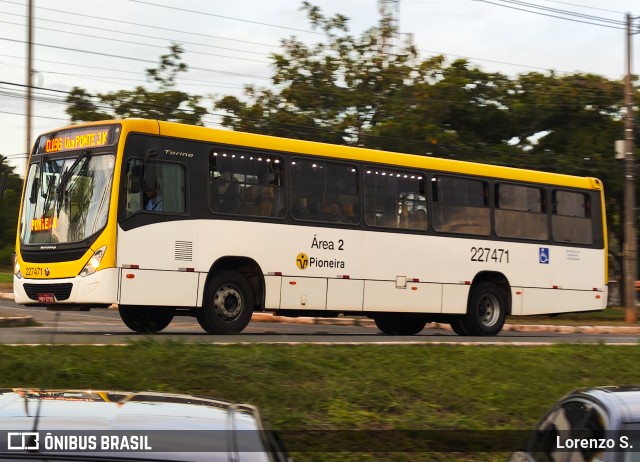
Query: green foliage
x=6 y=278
x=165 y=103
x=333 y=92
x=9 y=206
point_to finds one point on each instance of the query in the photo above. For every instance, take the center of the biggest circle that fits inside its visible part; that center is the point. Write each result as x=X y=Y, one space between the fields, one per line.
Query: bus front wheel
x=145 y=319
x=400 y=324
x=486 y=310
x=228 y=304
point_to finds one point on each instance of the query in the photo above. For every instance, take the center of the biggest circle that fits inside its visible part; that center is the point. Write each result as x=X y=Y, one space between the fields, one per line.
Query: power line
x=227 y=17
x=38 y=116
x=553 y=15
x=565 y=12
x=84 y=66
x=112 y=39
x=130 y=58
x=339 y=92
x=583 y=6
x=186 y=42
x=102 y=19
x=241 y=41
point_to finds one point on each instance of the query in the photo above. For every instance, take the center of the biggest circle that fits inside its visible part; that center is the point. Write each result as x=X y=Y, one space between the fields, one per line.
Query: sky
x=106 y=45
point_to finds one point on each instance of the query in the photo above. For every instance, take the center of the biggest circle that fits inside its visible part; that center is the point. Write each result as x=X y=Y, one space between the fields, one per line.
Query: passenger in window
x=347 y=213
x=332 y=212
x=153 y=199
x=313 y=210
x=231 y=197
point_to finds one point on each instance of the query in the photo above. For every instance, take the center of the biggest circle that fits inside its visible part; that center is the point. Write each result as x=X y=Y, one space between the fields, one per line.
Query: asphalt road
x=105 y=327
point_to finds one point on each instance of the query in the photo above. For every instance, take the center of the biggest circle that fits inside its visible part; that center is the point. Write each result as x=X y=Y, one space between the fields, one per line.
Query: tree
x=165 y=103
x=9 y=205
x=333 y=91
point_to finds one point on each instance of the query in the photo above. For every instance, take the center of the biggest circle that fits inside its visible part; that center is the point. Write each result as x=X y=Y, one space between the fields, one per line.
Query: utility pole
x=630 y=240
x=29 y=72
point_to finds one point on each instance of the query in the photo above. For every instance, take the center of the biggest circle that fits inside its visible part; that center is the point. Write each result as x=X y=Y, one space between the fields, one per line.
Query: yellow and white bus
x=166 y=219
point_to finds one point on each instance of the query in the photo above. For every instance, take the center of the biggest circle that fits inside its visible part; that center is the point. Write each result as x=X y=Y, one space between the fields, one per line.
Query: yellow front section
x=100 y=287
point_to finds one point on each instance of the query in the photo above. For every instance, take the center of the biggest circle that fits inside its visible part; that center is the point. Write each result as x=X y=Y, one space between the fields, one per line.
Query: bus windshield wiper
x=64 y=179
x=67 y=173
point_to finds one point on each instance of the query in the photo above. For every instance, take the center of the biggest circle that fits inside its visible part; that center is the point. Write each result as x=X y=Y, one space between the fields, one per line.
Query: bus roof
x=272 y=143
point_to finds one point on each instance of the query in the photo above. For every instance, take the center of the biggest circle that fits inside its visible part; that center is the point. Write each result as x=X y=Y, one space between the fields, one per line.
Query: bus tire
x=486 y=310
x=228 y=304
x=145 y=319
x=400 y=325
x=457 y=325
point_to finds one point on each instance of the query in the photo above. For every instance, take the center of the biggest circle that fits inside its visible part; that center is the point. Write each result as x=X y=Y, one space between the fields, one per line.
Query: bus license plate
x=46 y=298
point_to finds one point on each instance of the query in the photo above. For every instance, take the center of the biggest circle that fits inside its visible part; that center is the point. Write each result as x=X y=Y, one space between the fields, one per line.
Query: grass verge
x=6 y=277
x=343 y=387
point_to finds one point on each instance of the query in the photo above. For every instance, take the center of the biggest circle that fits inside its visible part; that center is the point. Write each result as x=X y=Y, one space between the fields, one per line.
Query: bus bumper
x=98 y=289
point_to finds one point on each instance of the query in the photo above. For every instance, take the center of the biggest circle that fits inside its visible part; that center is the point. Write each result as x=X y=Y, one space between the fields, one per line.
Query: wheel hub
x=227 y=302
x=489 y=311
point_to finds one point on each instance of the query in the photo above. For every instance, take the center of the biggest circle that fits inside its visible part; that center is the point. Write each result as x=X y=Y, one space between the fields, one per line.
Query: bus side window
x=166 y=180
x=395 y=199
x=520 y=212
x=571 y=220
x=461 y=205
x=245 y=183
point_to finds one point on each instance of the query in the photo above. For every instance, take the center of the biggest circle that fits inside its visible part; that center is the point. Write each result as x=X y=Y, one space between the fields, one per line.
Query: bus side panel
x=454 y=298
x=345 y=294
x=304 y=293
x=410 y=297
x=516 y=301
x=548 y=301
x=161 y=253
x=158 y=288
x=273 y=286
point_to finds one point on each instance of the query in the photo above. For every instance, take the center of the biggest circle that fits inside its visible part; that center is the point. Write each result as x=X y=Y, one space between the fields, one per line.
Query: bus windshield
x=66 y=199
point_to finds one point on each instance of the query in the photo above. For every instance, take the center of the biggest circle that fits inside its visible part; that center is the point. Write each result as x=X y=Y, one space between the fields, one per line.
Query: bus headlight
x=94 y=262
x=16 y=267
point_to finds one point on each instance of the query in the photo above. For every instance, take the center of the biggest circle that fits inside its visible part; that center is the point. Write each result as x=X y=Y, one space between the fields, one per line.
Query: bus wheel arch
x=400 y=323
x=233 y=290
x=146 y=319
x=488 y=305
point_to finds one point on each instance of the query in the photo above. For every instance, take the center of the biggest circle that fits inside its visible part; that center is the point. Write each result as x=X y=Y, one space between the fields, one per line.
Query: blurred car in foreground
x=111 y=425
x=594 y=424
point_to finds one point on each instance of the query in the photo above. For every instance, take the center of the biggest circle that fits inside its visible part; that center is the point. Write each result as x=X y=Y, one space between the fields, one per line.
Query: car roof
x=621 y=402
x=158 y=414
x=114 y=410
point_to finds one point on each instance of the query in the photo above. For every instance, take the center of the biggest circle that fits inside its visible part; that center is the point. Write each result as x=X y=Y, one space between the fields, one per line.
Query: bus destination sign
x=70 y=140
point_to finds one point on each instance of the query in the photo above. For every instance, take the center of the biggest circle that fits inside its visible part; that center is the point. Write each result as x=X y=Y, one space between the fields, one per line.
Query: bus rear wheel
x=400 y=324
x=228 y=304
x=457 y=325
x=145 y=319
x=486 y=310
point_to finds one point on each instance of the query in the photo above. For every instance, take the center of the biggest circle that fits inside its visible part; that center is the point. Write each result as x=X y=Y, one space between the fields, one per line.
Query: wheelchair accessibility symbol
x=543 y=255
